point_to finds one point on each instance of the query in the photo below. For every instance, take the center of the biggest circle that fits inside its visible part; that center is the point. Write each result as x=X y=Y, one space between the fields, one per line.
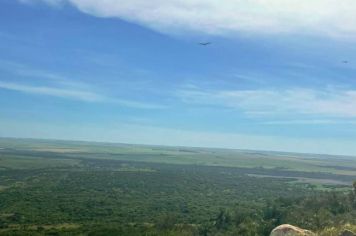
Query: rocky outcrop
x=347 y=233
x=290 y=230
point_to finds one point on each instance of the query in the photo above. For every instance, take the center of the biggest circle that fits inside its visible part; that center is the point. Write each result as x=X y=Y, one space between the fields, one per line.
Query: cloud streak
x=74 y=94
x=62 y=87
x=52 y=91
x=225 y=17
x=310 y=122
x=307 y=102
x=50 y=2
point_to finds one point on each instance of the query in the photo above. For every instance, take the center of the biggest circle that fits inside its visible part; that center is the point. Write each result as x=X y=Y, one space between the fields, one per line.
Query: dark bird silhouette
x=345 y=62
x=205 y=44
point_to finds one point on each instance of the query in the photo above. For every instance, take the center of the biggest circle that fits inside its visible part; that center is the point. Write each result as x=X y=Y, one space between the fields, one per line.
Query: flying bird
x=205 y=44
x=345 y=62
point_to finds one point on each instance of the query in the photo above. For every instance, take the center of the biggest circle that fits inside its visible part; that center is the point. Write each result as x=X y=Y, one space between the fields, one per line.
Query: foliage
x=63 y=192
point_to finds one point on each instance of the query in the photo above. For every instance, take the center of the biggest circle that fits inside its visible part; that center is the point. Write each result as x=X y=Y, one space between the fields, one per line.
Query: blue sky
x=133 y=71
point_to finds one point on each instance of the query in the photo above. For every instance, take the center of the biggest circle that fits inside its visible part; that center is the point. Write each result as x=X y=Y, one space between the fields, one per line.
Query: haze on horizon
x=274 y=78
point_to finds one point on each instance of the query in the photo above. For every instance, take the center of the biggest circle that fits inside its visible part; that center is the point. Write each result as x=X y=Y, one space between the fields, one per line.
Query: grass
x=23 y=162
x=58 y=186
x=37 y=154
x=332 y=231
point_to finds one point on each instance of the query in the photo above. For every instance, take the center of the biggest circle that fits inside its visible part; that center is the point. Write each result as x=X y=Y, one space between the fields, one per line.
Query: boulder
x=290 y=230
x=347 y=233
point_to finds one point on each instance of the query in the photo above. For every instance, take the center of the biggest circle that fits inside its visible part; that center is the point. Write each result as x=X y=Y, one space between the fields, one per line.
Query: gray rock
x=347 y=233
x=290 y=230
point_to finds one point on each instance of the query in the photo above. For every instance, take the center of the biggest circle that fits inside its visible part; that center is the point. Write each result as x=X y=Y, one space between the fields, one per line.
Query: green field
x=71 y=152
x=73 y=188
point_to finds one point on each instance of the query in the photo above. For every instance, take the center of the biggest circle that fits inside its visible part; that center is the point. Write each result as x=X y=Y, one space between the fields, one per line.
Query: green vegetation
x=76 y=188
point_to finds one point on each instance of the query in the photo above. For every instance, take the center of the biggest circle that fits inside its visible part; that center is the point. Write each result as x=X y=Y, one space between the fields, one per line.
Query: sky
x=278 y=75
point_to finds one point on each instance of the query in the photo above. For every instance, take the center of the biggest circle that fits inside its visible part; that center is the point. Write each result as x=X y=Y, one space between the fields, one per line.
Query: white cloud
x=27 y=71
x=310 y=122
x=75 y=94
x=321 y=17
x=63 y=87
x=51 y=2
x=135 y=104
x=51 y=91
x=333 y=103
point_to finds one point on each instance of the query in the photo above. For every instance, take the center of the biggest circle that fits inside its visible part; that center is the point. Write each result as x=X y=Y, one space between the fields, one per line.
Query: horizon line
x=178 y=146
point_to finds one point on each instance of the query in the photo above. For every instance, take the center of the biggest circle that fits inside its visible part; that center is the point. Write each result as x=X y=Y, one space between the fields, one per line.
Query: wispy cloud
x=57 y=85
x=52 y=91
x=310 y=122
x=74 y=94
x=331 y=102
x=28 y=71
x=51 y=2
x=135 y=104
x=226 y=17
